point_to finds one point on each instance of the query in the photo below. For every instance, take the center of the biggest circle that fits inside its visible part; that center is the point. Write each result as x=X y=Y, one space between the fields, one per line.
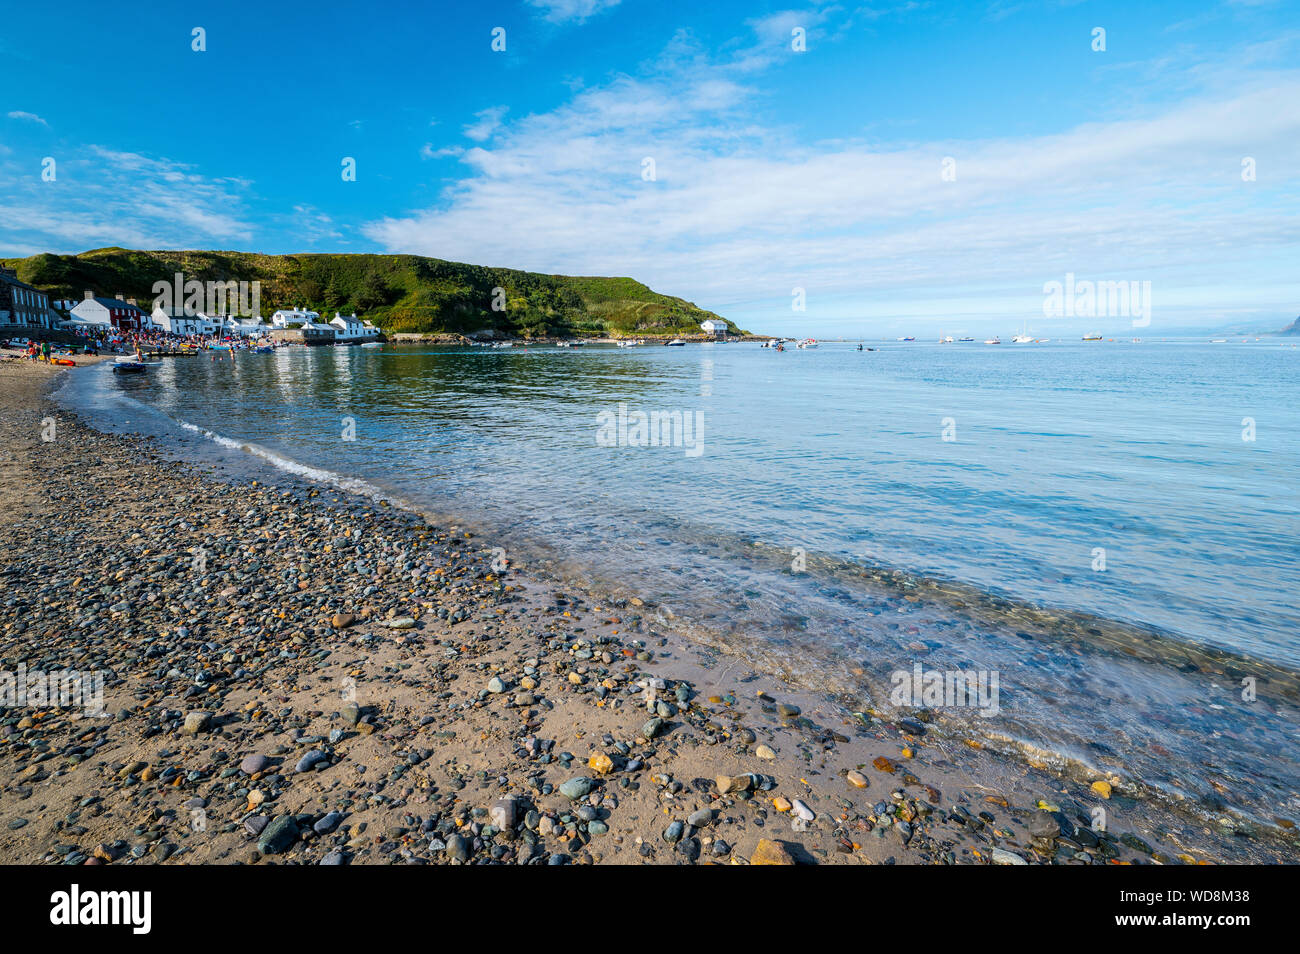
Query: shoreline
x=264 y=651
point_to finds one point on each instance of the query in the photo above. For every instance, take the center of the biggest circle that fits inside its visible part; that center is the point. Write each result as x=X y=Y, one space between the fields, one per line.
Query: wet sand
x=294 y=675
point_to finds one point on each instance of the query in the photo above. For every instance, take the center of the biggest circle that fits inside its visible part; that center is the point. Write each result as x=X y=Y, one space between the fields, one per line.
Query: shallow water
x=822 y=526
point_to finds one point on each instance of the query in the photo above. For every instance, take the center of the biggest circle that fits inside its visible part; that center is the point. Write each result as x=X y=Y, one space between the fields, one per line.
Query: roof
x=116 y=303
x=12 y=279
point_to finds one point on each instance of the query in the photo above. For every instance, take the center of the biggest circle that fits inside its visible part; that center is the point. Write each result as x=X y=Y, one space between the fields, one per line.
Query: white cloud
x=489 y=121
x=28 y=117
x=571 y=11
x=427 y=151
x=740 y=213
x=106 y=197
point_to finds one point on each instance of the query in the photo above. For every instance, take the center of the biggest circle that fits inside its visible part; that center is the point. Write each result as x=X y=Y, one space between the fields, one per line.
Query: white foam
x=352 y=485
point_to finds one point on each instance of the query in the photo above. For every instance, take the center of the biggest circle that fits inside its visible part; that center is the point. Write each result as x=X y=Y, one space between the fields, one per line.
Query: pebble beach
x=294 y=675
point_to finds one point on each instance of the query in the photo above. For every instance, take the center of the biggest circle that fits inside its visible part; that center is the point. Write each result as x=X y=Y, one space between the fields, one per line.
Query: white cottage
x=349 y=327
x=176 y=321
x=714 y=327
x=294 y=316
x=247 y=327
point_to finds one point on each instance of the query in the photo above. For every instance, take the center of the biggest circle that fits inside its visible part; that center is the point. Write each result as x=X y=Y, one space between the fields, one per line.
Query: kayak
x=65 y=362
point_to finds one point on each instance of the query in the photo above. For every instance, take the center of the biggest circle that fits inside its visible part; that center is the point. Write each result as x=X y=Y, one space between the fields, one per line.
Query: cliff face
x=400 y=293
x=1291 y=329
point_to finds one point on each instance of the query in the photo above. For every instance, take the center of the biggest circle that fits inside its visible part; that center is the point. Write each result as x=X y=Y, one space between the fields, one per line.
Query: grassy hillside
x=397 y=292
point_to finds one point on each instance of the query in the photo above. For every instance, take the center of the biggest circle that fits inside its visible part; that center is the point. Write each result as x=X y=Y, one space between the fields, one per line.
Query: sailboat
x=1023 y=337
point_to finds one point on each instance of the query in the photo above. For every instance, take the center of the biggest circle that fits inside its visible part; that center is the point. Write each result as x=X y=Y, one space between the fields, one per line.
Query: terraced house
x=21 y=305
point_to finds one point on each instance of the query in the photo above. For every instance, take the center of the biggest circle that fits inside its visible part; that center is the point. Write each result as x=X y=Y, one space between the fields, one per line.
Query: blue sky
x=774 y=169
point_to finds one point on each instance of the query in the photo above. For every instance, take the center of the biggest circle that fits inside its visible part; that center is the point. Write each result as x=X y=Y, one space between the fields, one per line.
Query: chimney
x=132 y=301
x=120 y=296
x=89 y=294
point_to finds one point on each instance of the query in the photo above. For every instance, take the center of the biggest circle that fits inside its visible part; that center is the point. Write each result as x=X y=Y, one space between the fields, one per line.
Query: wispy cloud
x=427 y=151
x=571 y=11
x=101 y=196
x=738 y=212
x=27 y=117
x=488 y=122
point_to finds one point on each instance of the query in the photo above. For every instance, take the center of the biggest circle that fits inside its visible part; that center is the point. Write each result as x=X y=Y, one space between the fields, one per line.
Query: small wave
x=353 y=485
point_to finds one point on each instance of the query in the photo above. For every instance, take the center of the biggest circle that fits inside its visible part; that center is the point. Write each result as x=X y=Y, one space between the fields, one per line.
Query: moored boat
x=129 y=365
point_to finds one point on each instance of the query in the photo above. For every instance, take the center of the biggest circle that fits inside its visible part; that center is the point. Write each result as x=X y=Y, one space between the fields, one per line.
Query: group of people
x=124 y=342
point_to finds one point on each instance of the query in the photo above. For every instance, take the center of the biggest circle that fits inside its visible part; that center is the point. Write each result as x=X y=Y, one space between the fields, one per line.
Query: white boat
x=993 y=341
x=676 y=343
x=372 y=344
x=1021 y=339
x=628 y=344
x=808 y=343
x=946 y=339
